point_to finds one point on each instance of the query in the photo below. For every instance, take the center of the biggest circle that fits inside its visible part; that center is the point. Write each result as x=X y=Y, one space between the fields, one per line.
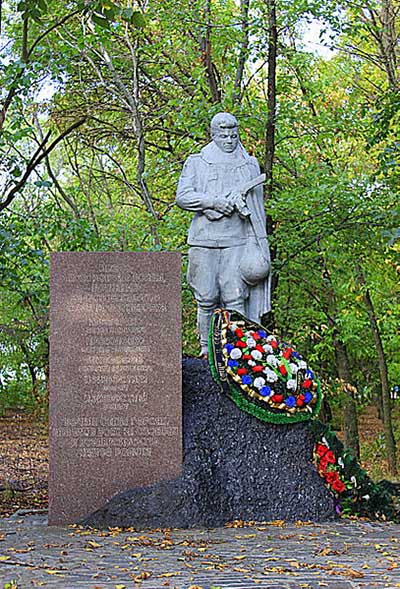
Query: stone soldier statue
x=229 y=259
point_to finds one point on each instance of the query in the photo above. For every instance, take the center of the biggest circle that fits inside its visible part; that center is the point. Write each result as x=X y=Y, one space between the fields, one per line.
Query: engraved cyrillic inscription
x=115 y=376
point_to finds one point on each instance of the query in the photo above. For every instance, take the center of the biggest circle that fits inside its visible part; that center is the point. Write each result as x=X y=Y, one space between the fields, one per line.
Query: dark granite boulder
x=235 y=467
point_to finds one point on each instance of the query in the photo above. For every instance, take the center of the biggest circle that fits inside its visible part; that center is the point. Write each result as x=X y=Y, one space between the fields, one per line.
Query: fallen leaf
x=327 y=552
x=94 y=544
x=354 y=574
x=141 y=576
x=54 y=572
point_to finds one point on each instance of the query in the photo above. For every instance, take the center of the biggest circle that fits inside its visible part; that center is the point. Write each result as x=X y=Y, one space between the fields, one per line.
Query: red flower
x=242 y=371
x=300 y=402
x=239 y=333
x=282 y=370
x=321 y=449
x=330 y=457
x=287 y=353
x=273 y=343
x=260 y=348
x=323 y=464
x=306 y=384
x=246 y=357
x=257 y=368
x=277 y=398
x=240 y=344
x=255 y=335
x=338 y=486
x=331 y=477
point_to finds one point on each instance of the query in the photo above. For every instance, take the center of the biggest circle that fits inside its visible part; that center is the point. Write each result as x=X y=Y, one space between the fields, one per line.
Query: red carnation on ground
x=331 y=477
x=338 y=486
x=323 y=464
x=321 y=449
x=330 y=457
x=282 y=370
x=239 y=333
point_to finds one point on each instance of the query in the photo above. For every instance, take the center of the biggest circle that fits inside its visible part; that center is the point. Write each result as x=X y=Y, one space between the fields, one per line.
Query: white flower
x=256 y=354
x=271 y=338
x=251 y=342
x=268 y=349
x=366 y=497
x=340 y=462
x=303 y=365
x=353 y=481
x=251 y=363
x=233 y=327
x=291 y=384
x=270 y=374
x=259 y=382
x=273 y=360
x=293 y=368
x=325 y=441
x=235 y=354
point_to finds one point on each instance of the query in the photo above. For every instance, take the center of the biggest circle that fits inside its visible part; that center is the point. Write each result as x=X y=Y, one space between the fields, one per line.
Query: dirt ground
x=24 y=463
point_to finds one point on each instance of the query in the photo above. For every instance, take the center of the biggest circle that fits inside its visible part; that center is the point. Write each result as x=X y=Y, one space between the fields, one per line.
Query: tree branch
x=36 y=159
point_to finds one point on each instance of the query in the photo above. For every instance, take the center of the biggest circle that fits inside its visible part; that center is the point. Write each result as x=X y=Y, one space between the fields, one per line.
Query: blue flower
x=246 y=379
x=232 y=363
x=229 y=347
x=307 y=397
x=290 y=401
x=262 y=333
x=265 y=391
x=309 y=374
x=296 y=355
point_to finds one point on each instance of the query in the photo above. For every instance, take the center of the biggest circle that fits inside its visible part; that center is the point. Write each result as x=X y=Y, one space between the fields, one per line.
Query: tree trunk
x=206 y=57
x=349 y=410
x=244 y=49
x=270 y=134
x=390 y=442
x=271 y=96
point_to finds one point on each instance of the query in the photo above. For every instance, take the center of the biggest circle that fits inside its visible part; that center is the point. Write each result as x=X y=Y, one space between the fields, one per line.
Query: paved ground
x=345 y=555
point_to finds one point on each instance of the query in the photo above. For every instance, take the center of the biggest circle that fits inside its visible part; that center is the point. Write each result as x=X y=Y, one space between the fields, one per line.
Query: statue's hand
x=241 y=205
x=224 y=204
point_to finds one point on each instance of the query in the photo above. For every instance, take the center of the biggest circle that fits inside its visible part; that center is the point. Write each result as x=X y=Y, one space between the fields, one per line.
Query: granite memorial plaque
x=115 y=376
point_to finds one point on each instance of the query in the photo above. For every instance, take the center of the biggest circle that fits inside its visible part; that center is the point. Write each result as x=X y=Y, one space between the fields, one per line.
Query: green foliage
x=142 y=81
